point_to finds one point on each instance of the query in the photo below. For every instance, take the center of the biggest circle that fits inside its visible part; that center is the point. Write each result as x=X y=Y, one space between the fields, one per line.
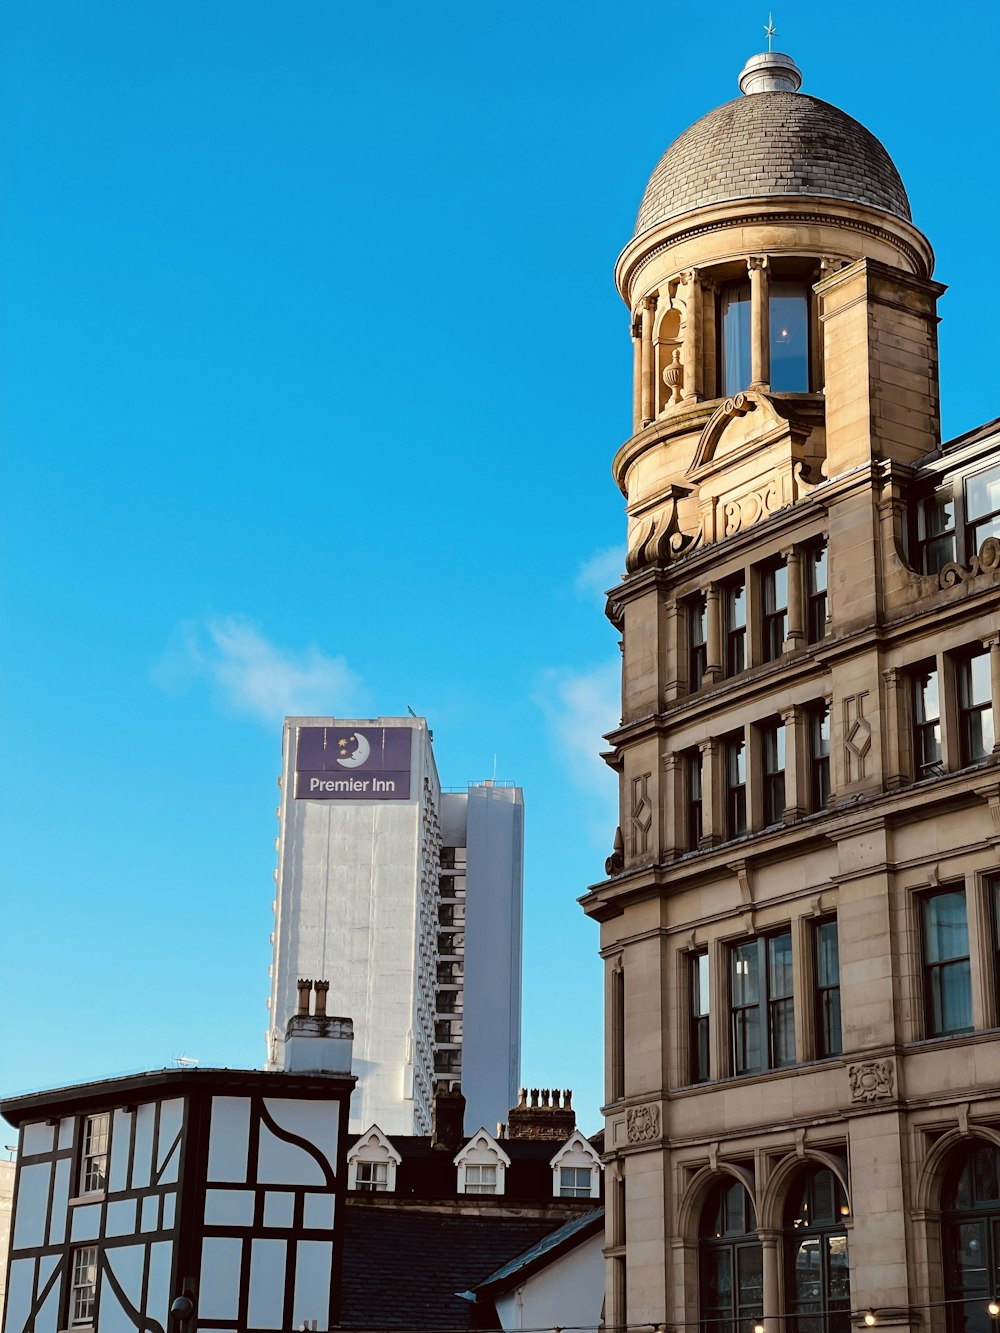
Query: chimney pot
x=321 y=990
x=305 y=990
x=534 y=1096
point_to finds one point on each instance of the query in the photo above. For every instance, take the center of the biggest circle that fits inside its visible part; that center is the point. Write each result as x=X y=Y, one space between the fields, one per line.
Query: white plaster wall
x=491 y=1043
x=347 y=912
x=7 y=1170
x=569 y=1293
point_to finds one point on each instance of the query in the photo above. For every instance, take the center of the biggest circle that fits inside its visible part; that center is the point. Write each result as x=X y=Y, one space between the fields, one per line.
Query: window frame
x=826 y=994
x=820 y=787
x=576 y=1191
x=95 y=1151
x=975 y=716
x=932 y=971
x=734 y=591
x=773 y=617
x=699 y=1017
x=371 y=1177
x=694 y=777
x=927 y=732
x=773 y=756
x=817 y=596
x=766 y=1005
x=734 y=758
x=477 y=1185
x=82 y=1311
x=696 y=630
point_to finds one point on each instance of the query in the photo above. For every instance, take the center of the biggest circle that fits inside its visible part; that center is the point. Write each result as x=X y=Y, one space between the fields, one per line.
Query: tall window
x=735 y=619
x=699 y=1068
x=736 y=785
x=826 y=962
x=817 y=1280
x=772 y=748
x=695 y=800
x=762 y=1014
x=970 y=1233
x=975 y=704
x=947 y=981
x=926 y=704
x=982 y=508
x=789 y=320
x=935 y=532
x=730 y=1261
x=617 y=1033
x=734 y=311
x=697 y=632
x=372 y=1177
x=819 y=756
x=774 y=600
x=94 y=1160
x=83 y=1292
x=816 y=592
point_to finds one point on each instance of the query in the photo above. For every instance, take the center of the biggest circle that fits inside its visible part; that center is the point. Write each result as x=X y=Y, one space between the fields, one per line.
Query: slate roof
x=404 y=1266
x=772 y=144
x=549 y=1248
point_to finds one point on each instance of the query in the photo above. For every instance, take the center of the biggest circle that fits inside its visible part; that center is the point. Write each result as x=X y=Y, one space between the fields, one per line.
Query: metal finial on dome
x=771 y=31
x=770 y=72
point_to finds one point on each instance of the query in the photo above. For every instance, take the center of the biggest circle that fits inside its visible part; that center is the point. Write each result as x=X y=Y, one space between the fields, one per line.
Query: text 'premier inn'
x=370 y=763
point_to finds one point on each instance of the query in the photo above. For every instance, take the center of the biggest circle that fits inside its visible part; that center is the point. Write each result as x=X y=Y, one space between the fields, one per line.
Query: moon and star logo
x=348 y=758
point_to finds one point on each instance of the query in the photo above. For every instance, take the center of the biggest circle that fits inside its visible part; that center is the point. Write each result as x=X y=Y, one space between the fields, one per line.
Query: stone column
x=993 y=644
x=713 y=648
x=760 y=323
x=712 y=814
x=637 y=376
x=899 y=747
x=647 y=407
x=672 y=798
x=771 y=1266
x=693 y=339
x=796 y=777
x=795 y=636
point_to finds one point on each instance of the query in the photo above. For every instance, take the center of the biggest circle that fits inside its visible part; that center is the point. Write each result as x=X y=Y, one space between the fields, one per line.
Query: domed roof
x=772 y=143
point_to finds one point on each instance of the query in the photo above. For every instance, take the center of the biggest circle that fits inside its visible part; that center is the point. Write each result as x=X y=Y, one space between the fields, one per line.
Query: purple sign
x=359 y=764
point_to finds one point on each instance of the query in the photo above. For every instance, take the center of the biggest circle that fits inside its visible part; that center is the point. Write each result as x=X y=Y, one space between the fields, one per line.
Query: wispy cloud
x=579 y=706
x=600 y=571
x=252 y=675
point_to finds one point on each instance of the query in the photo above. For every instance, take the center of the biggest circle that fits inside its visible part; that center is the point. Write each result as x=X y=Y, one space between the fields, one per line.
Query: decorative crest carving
x=642 y=1123
x=871 y=1081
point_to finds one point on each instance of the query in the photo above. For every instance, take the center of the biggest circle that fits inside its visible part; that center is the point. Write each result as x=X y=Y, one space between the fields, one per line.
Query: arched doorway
x=817 y=1280
x=970 y=1235
x=730 y=1261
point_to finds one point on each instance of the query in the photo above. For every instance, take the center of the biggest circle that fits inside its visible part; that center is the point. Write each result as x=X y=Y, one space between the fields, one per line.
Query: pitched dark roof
x=545 y=1252
x=405 y=1266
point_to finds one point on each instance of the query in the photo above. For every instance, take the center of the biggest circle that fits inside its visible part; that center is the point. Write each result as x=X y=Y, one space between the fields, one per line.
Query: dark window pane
x=789 y=310
x=735 y=339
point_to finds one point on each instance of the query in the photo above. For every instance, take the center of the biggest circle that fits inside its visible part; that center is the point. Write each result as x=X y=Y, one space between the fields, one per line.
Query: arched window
x=730 y=1263
x=817 y=1281
x=970 y=1229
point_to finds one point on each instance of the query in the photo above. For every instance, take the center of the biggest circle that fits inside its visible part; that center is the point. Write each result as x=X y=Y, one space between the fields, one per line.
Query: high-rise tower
x=407 y=900
x=801 y=921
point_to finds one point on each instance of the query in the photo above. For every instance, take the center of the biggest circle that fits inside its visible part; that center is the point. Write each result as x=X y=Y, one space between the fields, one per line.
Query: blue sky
x=311 y=373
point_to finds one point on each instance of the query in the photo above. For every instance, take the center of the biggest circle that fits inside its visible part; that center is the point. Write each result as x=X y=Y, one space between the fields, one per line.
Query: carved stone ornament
x=673 y=378
x=642 y=1123
x=616 y=861
x=871 y=1081
x=986 y=562
x=657 y=537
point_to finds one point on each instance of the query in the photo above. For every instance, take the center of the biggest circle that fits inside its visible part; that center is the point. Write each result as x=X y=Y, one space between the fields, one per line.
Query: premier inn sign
x=369 y=764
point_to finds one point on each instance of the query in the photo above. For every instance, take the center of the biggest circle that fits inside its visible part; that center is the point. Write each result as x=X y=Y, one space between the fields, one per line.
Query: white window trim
x=375 y=1147
x=482 y=1150
x=578 y=1152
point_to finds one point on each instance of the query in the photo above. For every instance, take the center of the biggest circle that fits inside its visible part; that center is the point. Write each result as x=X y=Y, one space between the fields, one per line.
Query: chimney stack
x=544 y=1118
x=315 y=1043
x=448 y=1117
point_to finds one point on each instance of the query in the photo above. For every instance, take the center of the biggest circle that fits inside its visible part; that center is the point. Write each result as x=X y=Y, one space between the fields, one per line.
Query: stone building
x=801 y=920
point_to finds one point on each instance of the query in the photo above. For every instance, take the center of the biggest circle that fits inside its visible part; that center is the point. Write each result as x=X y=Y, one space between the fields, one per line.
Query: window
x=698 y=1059
x=772 y=750
x=448 y=1031
x=734 y=340
x=450 y=973
x=817 y=1280
x=446 y=886
x=372 y=1177
x=982 y=508
x=480 y=1179
x=935 y=533
x=449 y=1002
x=816 y=590
x=451 y=914
x=819 y=755
x=730 y=1261
x=826 y=961
x=695 y=802
x=83 y=1293
x=575 y=1182
x=947 y=981
x=762 y=1012
x=617 y=1033
x=970 y=1235
x=926 y=722
x=789 y=323
x=736 y=785
x=448 y=1062
x=697 y=632
x=735 y=618
x=975 y=707
x=451 y=942
x=94 y=1162
x=774 y=601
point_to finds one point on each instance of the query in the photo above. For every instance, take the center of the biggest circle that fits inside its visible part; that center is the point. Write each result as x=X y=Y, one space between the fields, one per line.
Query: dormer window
x=482 y=1165
x=371 y=1164
x=576 y=1170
